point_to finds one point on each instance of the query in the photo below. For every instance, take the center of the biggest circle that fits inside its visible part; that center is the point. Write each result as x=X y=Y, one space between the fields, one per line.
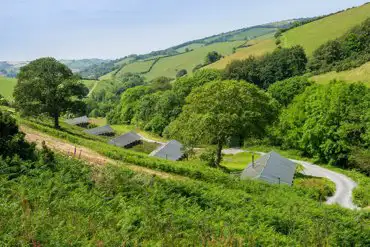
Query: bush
x=181 y=73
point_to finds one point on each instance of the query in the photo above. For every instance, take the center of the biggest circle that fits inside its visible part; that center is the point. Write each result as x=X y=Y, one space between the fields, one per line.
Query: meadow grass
x=316 y=33
x=190 y=47
x=360 y=74
x=257 y=48
x=237 y=162
x=136 y=67
x=169 y=66
x=7 y=87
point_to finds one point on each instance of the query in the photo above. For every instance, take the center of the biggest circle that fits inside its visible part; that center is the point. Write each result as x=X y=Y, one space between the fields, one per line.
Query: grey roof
x=126 y=139
x=100 y=130
x=79 y=120
x=172 y=150
x=271 y=168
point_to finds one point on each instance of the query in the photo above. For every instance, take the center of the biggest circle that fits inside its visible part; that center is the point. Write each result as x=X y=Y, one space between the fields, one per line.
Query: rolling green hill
x=316 y=33
x=7 y=87
x=169 y=66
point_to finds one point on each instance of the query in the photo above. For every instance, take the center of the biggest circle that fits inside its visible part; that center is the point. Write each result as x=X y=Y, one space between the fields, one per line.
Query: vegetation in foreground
x=83 y=205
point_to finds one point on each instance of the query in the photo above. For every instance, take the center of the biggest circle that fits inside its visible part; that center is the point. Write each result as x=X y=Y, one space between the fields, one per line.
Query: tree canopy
x=48 y=86
x=220 y=110
x=328 y=121
x=212 y=57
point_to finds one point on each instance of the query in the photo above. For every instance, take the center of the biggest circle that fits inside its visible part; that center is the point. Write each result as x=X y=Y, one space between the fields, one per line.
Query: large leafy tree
x=48 y=86
x=328 y=121
x=220 y=110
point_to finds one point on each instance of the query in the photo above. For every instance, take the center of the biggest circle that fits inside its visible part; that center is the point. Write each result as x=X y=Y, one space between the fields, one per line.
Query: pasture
x=169 y=66
x=316 y=33
x=7 y=87
x=136 y=67
x=258 y=48
x=360 y=74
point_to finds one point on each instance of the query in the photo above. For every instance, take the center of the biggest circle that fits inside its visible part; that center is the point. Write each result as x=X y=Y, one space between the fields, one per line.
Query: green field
x=316 y=33
x=190 y=47
x=136 y=67
x=7 y=86
x=170 y=65
x=360 y=74
x=258 y=48
x=237 y=162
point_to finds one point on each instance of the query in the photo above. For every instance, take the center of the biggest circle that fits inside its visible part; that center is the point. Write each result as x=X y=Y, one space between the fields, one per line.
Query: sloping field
x=257 y=49
x=170 y=65
x=7 y=86
x=190 y=47
x=136 y=67
x=316 y=33
x=361 y=74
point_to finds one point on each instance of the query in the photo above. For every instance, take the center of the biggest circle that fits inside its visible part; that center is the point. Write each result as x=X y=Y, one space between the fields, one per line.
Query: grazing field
x=7 y=86
x=170 y=65
x=190 y=47
x=136 y=67
x=258 y=48
x=237 y=162
x=361 y=74
x=316 y=33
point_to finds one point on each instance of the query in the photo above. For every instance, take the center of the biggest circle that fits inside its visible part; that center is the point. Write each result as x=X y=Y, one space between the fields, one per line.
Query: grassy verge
x=237 y=162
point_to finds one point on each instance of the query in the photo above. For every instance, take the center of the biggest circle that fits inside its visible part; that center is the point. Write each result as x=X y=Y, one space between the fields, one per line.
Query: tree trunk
x=219 y=154
x=56 y=121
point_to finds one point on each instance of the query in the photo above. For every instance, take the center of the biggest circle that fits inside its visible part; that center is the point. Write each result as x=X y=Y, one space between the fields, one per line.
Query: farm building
x=127 y=140
x=271 y=168
x=170 y=151
x=103 y=130
x=80 y=121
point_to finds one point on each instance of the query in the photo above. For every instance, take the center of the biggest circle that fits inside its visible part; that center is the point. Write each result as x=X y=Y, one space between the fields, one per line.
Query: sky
x=75 y=29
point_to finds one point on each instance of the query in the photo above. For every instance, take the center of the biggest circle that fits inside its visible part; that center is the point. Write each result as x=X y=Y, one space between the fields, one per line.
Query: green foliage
x=103 y=100
x=220 y=110
x=272 y=67
x=327 y=121
x=48 y=86
x=12 y=141
x=349 y=51
x=209 y=156
x=181 y=73
x=285 y=91
x=212 y=57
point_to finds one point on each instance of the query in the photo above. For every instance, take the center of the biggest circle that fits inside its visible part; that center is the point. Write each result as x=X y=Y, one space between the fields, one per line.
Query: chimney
x=253 y=159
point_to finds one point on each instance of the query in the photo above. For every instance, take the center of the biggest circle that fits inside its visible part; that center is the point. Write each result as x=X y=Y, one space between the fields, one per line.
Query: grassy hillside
x=136 y=67
x=170 y=65
x=7 y=86
x=257 y=48
x=316 y=33
x=359 y=74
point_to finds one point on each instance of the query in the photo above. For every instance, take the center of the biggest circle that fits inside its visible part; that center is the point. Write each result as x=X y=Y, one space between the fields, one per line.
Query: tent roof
x=272 y=168
x=100 y=130
x=171 y=151
x=126 y=139
x=79 y=120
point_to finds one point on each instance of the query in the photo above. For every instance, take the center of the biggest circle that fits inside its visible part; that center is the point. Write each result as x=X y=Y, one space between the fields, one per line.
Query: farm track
x=86 y=154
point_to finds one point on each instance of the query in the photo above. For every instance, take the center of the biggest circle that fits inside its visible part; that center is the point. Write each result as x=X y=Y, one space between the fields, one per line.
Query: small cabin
x=127 y=140
x=173 y=150
x=271 y=168
x=80 y=121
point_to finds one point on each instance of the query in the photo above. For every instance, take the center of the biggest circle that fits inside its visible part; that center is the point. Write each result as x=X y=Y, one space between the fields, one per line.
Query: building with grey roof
x=271 y=168
x=102 y=130
x=172 y=150
x=80 y=121
x=127 y=140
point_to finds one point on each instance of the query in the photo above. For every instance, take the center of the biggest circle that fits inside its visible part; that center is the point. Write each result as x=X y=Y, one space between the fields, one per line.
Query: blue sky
x=115 y=28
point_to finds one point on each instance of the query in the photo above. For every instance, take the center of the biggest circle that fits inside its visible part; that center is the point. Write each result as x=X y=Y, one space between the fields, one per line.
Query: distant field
x=7 y=86
x=170 y=65
x=316 y=33
x=136 y=67
x=358 y=74
x=258 y=49
x=190 y=47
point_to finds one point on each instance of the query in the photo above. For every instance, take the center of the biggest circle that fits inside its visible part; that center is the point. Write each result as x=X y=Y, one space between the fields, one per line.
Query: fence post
x=74 y=154
x=79 y=156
